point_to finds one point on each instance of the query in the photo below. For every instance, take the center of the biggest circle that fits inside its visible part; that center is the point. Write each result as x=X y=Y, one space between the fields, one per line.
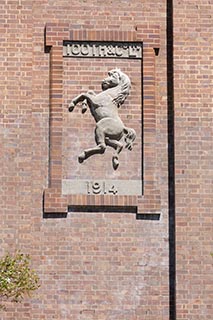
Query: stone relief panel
x=101 y=169
x=109 y=129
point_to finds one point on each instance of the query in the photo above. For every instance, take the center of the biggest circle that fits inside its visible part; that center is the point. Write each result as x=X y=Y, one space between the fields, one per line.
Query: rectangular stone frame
x=54 y=201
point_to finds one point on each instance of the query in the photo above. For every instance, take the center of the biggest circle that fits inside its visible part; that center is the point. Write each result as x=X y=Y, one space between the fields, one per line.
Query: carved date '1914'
x=100 y=188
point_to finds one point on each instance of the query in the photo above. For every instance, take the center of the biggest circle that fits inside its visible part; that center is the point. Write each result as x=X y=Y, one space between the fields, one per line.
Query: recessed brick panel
x=147 y=96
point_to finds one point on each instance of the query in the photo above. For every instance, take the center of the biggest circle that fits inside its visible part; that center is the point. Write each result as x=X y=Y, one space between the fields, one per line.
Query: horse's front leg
x=82 y=97
x=75 y=101
x=84 y=104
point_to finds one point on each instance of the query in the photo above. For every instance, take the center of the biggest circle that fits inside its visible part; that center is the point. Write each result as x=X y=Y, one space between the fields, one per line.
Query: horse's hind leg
x=99 y=149
x=100 y=136
x=90 y=152
x=118 y=146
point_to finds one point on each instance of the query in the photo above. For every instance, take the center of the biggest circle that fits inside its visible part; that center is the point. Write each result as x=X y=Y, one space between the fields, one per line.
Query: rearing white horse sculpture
x=104 y=108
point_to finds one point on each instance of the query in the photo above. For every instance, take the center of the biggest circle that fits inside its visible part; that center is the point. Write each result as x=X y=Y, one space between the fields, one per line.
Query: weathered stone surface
x=102 y=49
x=102 y=187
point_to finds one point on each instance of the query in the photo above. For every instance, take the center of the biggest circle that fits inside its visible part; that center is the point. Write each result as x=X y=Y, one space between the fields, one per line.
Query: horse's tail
x=130 y=137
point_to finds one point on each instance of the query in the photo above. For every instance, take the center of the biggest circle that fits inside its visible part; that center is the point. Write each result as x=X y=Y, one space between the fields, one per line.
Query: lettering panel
x=131 y=50
x=102 y=187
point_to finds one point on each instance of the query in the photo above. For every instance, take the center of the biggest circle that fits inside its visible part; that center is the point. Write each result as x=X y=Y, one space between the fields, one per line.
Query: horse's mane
x=125 y=86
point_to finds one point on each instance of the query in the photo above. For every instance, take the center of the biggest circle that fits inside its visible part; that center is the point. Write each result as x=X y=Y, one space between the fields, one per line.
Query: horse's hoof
x=115 y=163
x=81 y=157
x=84 y=109
x=71 y=107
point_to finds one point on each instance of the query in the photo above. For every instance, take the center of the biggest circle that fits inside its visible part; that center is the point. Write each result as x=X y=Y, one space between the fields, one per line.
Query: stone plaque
x=131 y=50
x=102 y=187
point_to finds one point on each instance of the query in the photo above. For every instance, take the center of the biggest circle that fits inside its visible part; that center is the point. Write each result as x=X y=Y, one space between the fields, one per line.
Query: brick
x=105 y=265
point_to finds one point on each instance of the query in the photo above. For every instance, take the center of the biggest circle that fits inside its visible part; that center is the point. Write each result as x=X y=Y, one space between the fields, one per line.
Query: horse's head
x=116 y=78
x=112 y=80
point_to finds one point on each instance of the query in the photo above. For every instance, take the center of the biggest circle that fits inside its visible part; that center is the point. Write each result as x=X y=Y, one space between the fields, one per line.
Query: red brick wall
x=91 y=265
x=194 y=144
